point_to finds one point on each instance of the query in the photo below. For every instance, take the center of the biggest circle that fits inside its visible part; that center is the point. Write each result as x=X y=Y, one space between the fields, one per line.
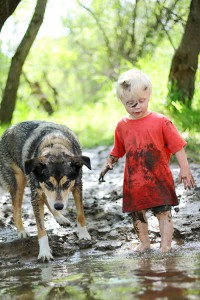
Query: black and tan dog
x=47 y=156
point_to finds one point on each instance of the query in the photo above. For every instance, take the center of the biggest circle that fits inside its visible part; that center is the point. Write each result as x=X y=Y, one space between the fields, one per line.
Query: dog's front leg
x=57 y=215
x=81 y=228
x=17 y=191
x=38 y=208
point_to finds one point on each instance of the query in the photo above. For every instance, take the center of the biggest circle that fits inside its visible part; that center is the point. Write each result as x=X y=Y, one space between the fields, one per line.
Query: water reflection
x=92 y=276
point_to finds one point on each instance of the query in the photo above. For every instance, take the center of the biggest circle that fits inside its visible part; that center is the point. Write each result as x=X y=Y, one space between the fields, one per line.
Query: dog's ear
x=86 y=161
x=79 y=161
x=29 y=166
x=33 y=165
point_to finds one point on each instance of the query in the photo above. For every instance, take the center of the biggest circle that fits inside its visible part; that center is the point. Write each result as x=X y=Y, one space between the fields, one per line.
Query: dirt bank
x=108 y=226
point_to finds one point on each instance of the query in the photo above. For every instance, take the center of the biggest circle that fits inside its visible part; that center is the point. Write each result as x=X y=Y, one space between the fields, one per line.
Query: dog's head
x=56 y=176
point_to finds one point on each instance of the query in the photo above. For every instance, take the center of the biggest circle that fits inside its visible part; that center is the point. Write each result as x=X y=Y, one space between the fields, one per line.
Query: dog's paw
x=44 y=249
x=61 y=219
x=82 y=232
x=23 y=234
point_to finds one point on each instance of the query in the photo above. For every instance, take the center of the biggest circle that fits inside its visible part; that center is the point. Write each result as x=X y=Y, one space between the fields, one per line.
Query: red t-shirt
x=148 y=143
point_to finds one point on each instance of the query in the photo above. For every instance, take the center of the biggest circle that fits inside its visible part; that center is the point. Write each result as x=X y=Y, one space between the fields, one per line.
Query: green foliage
x=2 y=129
x=186 y=118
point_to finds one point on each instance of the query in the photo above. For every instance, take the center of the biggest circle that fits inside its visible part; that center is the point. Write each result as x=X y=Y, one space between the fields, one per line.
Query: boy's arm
x=108 y=166
x=185 y=174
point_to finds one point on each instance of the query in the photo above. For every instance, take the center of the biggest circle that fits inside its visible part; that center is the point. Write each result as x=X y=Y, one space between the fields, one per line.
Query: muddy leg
x=38 y=208
x=166 y=230
x=57 y=215
x=141 y=228
x=82 y=230
x=17 y=192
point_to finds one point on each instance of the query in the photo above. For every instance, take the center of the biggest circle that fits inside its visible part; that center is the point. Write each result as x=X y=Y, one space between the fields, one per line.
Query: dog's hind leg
x=17 y=192
x=81 y=228
x=38 y=208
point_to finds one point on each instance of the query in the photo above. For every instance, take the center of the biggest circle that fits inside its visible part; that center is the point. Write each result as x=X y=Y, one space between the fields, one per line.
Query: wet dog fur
x=48 y=157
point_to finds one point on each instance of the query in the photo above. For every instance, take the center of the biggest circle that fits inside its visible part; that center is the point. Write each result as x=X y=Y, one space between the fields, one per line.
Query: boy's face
x=137 y=107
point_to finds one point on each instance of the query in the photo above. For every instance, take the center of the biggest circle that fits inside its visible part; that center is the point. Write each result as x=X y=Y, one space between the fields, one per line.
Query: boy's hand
x=187 y=179
x=185 y=175
x=104 y=171
x=109 y=166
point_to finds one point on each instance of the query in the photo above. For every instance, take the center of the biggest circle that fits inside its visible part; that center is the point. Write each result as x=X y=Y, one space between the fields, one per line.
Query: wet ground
x=107 y=267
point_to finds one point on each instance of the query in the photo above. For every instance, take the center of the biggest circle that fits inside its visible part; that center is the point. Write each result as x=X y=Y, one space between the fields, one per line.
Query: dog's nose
x=58 y=206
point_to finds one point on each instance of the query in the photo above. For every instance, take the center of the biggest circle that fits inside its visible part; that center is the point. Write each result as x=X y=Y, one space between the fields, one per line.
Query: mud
x=109 y=227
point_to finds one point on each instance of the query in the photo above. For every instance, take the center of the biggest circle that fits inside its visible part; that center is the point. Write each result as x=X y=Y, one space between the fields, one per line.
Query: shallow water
x=91 y=275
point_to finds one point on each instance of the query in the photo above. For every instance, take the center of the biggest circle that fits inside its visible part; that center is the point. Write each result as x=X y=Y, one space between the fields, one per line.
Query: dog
x=48 y=158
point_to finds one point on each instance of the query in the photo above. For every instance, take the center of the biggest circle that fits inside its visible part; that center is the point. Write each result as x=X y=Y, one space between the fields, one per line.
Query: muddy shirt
x=148 y=143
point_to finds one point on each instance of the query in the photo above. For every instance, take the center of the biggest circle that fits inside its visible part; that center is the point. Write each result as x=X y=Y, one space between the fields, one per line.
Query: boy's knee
x=164 y=209
x=164 y=215
x=139 y=216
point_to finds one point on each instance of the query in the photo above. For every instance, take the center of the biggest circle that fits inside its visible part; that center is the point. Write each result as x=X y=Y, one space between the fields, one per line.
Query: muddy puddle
x=107 y=267
x=92 y=276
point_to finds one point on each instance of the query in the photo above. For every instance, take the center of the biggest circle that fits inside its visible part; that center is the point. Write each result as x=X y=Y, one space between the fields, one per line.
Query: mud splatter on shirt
x=147 y=143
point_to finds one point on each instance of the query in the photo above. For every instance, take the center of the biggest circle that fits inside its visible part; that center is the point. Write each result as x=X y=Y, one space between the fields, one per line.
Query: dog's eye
x=66 y=185
x=49 y=185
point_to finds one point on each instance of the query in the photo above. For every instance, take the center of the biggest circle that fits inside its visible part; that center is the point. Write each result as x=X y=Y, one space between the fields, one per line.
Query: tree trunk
x=10 y=92
x=7 y=7
x=185 y=61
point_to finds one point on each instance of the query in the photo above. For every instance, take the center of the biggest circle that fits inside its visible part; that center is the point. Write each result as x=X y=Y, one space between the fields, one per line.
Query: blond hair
x=131 y=83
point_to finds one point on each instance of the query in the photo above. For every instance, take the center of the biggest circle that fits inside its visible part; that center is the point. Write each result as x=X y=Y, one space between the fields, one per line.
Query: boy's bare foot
x=142 y=247
x=165 y=249
x=141 y=228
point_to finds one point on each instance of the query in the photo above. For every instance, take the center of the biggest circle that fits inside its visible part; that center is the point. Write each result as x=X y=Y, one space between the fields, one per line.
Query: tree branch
x=107 y=42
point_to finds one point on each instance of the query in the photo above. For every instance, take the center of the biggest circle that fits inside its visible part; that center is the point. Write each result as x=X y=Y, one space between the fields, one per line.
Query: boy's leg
x=166 y=229
x=141 y=228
